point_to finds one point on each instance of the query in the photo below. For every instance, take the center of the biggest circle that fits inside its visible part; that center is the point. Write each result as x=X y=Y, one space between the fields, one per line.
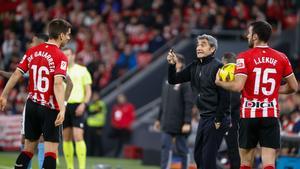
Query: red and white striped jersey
x=43 y=63
x=264 y=68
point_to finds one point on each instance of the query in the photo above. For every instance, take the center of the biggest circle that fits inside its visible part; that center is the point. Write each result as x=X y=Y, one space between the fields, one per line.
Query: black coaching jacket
x=212 y=100
x=176 y=107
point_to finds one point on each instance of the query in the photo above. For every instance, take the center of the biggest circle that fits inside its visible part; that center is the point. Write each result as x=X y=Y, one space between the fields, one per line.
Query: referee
x=74 y=117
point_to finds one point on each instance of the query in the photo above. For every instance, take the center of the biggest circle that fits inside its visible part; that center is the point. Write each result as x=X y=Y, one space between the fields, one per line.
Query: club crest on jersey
x=240 y=63
x=258 y=104
x=63 y=65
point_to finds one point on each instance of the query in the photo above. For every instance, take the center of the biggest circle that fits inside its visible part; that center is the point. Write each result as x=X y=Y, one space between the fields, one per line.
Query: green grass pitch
x=7 y=160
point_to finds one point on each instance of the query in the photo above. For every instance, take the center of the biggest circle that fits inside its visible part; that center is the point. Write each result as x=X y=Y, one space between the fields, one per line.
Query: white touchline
x=5 y=167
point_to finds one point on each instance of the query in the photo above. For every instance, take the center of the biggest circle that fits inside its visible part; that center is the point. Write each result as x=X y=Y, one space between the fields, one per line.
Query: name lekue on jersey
x=269 y=60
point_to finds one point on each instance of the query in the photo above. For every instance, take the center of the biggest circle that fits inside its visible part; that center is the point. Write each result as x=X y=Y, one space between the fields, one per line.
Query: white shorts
x=23 y=121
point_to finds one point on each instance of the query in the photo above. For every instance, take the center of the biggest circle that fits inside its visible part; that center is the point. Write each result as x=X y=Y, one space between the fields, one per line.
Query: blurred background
x=124 y=44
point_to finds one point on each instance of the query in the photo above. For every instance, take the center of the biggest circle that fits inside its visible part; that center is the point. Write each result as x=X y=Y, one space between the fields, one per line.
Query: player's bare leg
x=268 y=156
x=22 y=148
x=246 y=158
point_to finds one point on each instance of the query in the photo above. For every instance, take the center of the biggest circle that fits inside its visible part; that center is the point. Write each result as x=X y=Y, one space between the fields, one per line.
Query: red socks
x=265 y=167
x=269 y=167
x=28 y=154
x=50 y=154
x=50 y=160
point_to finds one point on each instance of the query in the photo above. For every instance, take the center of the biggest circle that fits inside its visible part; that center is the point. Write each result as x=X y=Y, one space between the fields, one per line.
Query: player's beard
x=63 y=44
x=250 y=43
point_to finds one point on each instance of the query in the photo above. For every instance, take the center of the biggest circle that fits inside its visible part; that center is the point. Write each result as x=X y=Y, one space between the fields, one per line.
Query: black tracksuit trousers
x=207 y=143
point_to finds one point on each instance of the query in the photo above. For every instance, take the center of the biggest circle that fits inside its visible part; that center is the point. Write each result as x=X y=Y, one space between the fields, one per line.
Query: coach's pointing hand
x=186 y=128
x=60 y=118
x=171 y=57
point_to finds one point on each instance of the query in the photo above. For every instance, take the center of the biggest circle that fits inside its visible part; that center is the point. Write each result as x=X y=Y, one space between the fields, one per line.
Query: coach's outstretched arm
x=177 y=77
x=59 y=92
x=291 y=85
x=8 y=87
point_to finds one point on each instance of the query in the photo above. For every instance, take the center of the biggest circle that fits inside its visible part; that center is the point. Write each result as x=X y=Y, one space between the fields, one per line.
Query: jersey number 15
x=265 y=80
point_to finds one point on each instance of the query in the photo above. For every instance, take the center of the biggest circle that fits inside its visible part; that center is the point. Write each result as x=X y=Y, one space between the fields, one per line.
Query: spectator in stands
x=127 y=61
x=95 y=123
x=122 y=118
x=156 y=41
x=295 y=116
x=174 y=119
x=128 y=16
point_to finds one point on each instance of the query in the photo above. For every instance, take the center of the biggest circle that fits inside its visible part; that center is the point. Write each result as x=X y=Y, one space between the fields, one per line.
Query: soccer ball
x=226 y=73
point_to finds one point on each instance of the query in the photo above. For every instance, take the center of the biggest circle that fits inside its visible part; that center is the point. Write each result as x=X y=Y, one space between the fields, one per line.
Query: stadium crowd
x=111 y=37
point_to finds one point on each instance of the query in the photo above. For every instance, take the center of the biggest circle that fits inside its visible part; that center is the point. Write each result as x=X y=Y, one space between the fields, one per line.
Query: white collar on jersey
x=262 y=46
x=49 y=43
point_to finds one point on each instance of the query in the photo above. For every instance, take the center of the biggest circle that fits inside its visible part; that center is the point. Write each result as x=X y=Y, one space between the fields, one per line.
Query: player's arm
x=8 y=87
x=5 y=74
x=59 y=92
x=291 y=85
x=236 y=85
x=11 y=82
x=69 y=87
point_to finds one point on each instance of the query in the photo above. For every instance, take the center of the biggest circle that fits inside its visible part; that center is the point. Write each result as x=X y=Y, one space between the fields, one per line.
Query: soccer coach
x=212 y=101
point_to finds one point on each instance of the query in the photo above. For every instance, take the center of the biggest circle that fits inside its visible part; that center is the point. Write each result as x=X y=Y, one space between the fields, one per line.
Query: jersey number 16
x=40 y=83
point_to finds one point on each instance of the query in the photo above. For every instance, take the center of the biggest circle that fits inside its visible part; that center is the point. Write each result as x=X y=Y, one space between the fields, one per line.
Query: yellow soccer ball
x=226 y=73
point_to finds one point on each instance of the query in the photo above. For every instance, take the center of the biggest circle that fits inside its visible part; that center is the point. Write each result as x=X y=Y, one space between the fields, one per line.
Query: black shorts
x=71 y=120
x=40 y=120
x=265 y=131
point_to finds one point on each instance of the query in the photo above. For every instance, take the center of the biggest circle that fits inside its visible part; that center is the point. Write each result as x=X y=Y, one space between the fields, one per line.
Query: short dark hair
x=263 y=30
x=213 y=42
x=229 y=57
x=58 y=26
x=42 y=36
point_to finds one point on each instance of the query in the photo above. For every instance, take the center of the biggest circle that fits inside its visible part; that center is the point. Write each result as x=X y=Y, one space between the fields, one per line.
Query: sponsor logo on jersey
x=63 y=65
x=240 y=63
x=258 y=104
